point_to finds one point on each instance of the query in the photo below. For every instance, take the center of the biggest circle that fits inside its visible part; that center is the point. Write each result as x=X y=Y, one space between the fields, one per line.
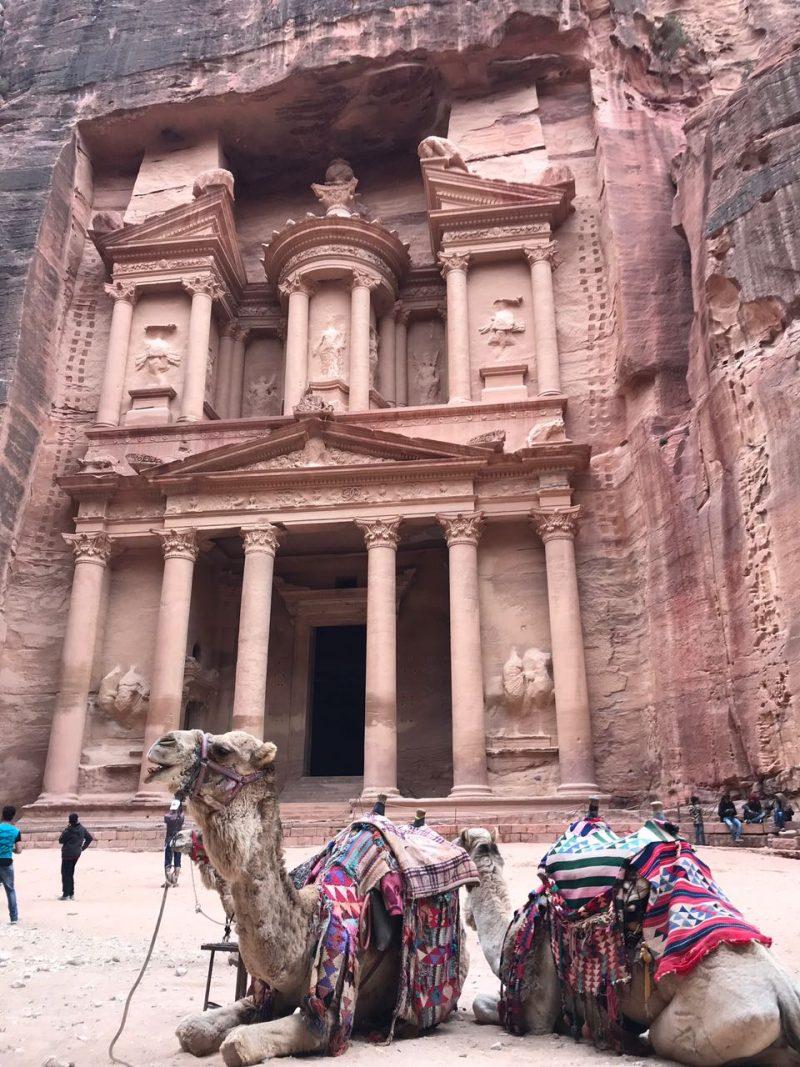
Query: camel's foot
x=248 y=1045
x=486 y=1009
x=202 y=1033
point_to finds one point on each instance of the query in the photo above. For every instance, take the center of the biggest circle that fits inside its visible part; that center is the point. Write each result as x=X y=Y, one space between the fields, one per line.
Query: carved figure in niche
x=373 y=357
x=329 y=350
x=123 y=695
x=158 y=354
x=503 y=324
x=547 y=428
x=427 y=376
x=338 y=194
x=311 y=404
x=261 y=397
x=442 y=148
x=521 y=700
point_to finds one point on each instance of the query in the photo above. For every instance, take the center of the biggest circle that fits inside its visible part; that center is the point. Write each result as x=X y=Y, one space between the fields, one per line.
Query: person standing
x=74 y=841
x=172 y=858
x=10 y=845
x=696 y=815
x=727 y=814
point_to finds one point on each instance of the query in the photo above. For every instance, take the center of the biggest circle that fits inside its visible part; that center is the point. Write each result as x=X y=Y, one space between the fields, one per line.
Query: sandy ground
x=66 y=968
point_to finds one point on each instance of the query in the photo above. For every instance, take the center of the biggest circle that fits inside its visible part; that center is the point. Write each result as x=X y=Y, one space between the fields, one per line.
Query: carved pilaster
x=181 y=543
x=260 y=538
x=539 y=253
x=382 y=532
x=562 y=523
x=461 y=528
x=203 y=283
x=362 y=279
x=295 y=283
x=449 y=261
x=90 y=547
x=119 y=290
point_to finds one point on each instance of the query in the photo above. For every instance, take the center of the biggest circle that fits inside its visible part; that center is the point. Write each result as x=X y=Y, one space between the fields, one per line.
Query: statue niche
x=158 y=354
x=329 y=350
x=503 y=324
x=522 y=700
x=123 y=696
x=261 y=397
x=426 y=371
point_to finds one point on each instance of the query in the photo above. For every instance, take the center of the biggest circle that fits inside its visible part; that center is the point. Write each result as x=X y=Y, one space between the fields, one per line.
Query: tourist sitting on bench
x=753 y=810
x=727 y=814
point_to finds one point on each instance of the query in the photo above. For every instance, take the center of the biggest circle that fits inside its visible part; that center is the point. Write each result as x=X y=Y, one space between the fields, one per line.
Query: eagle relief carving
x=158 y=354
x=503 y=323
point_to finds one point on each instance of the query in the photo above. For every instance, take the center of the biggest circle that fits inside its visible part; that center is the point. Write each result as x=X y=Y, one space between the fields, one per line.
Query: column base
x=190 y=418
x=50 y=799
x=550 y=392
x=588 y=789
x=372 y=793
x=459 y=400
x=151 y=796
x=469 y=791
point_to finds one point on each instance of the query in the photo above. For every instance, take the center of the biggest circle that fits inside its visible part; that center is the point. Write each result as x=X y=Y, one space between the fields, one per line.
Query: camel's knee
x=486 y=1009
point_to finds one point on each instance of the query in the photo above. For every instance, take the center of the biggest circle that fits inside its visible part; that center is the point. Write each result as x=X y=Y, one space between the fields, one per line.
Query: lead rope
x=111 y=1056
x=198 y=909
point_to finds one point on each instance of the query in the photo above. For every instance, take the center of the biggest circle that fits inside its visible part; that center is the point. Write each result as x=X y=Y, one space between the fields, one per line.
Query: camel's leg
x=203 y=1032
x=486 y=1009
x=247 y=1045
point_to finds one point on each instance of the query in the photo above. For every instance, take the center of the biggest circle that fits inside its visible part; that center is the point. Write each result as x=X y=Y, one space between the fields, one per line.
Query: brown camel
x=232 y=799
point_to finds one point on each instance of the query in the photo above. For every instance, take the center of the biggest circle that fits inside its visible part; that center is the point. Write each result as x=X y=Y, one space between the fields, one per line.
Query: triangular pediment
x=314 y=444
x=448 y=190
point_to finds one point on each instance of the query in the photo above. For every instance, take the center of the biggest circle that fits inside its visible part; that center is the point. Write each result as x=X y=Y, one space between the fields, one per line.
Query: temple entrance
x=338 y=678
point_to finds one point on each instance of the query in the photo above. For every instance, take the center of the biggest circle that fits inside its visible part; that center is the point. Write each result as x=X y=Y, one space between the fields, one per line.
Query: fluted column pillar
x=204 y=291
x=557 y=530
x=239 y=335
x=454 y=268
x=172 y=631
x=92 y=553
x=380 y=720
x=362 y=285
x=387 y=370
x=542 y=260
x=250 y=693
x=470 y=776
x=295 y=380
x=225 y=365
x=401 y=355
x=109 y=406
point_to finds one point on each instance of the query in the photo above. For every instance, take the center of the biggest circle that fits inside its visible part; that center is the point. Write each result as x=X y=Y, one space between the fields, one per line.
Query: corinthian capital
x=362 y=279
x=561 y=523
x=203 y=283
x=462 y=529
x=453 y=261
x=539 y=253
x=239 y=332
x=119 y=290
x=90 y=547
x=295 y=283
x=402 y=313
x=380 y=531
x=181 y=543
x=262 y=538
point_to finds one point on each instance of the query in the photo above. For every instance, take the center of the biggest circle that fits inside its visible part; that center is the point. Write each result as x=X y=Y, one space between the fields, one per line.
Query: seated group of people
x=754 y=810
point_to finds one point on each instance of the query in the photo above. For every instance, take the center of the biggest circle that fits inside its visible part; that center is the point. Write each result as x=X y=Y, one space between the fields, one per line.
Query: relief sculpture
x=521 y=700
x=373 y=357
x=426 y=373
x=158 y=353
x=329 y=350
x=503 y=324
x=123 y=696
x=261 y=397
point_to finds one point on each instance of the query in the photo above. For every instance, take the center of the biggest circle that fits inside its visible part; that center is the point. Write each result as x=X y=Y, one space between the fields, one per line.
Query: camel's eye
x=220 y=750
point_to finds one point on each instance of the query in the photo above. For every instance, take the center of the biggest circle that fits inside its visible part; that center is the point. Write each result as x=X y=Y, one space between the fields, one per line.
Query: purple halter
x=236 y=781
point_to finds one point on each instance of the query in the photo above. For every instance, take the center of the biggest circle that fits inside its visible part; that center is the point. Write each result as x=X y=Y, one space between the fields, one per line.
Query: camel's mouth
x=164 y=759
x=156 y=770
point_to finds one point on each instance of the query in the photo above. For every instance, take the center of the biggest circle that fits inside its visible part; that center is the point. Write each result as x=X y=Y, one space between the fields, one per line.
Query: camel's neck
x=491 y=911
x=244 y=842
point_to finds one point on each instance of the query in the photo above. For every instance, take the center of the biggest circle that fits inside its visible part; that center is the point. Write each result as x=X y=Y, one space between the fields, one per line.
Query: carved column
x=387 y=370
x=401 y=355
x=362 y=285
x=470 y=775
x=250 y=693
x=240 y=335
x=575 y=755
x=204 y=291
x=172 y=631
x=380 y=723
x=296 y=360
x=108 y=408
x=92 y=552
x=225 y=358
x=542 y=260
x=454 y=269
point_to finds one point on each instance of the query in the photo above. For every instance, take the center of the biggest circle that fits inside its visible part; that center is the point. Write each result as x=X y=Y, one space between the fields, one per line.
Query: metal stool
x=241 y=974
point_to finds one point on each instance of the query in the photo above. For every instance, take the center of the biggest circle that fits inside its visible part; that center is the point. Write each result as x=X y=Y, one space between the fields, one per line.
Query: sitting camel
x=229 y=782
x=737 y=1004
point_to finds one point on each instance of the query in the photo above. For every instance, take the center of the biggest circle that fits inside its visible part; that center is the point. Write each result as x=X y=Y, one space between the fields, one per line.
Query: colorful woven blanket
x=355 y=862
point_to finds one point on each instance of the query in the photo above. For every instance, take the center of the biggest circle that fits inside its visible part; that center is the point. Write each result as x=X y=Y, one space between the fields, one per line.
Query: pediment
x=453 y=190
x=314 y=444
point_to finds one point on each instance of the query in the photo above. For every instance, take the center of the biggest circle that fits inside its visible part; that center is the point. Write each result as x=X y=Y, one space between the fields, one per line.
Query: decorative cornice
x=362 y=279
x=262 y=538
x=539 y=253
x=122 y=290
x=182 y=543
x=552 y=525
x=295 y=283
x=90 y=547
x=462 y=529
x=203 y=283
x=380 y=532
x=453 y=261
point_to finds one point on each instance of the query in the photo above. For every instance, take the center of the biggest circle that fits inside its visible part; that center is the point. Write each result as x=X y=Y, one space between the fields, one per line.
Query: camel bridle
x=234 y=784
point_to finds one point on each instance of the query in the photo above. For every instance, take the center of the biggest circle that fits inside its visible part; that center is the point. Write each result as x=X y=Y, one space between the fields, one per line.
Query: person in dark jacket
x=172 y=858
x=727 y=814
x=753 y=810
x=74 y=841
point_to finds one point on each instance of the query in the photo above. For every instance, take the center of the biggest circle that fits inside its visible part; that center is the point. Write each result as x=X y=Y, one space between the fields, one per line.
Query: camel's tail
x=789 y=1007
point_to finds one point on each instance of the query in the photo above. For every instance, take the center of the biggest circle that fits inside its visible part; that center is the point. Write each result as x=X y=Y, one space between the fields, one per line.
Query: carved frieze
x=488 y=232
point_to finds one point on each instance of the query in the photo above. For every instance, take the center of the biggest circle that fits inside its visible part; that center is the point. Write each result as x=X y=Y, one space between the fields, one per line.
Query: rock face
x=677 y=304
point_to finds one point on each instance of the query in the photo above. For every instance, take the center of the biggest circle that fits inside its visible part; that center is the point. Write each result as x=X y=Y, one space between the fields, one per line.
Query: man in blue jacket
x=10 y=844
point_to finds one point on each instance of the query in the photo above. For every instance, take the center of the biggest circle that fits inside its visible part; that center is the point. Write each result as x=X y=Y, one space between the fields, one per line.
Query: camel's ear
x=264 y=754
x=494 y=832
x=463 y=840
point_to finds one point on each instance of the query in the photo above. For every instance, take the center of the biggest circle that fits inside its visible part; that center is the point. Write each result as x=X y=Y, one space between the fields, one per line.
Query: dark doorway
x=337 y=702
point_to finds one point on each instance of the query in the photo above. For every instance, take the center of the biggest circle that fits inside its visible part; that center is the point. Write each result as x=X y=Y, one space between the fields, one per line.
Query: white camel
x=736 y=1005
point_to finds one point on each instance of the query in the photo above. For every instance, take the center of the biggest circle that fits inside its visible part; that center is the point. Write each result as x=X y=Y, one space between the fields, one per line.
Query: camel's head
x=177 y=762
x=182 y=841
x=481 y=844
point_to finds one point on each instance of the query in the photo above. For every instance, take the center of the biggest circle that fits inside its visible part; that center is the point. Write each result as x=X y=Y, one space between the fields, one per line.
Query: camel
x=190 y=843
x=736 y=1005
x=229 y=781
